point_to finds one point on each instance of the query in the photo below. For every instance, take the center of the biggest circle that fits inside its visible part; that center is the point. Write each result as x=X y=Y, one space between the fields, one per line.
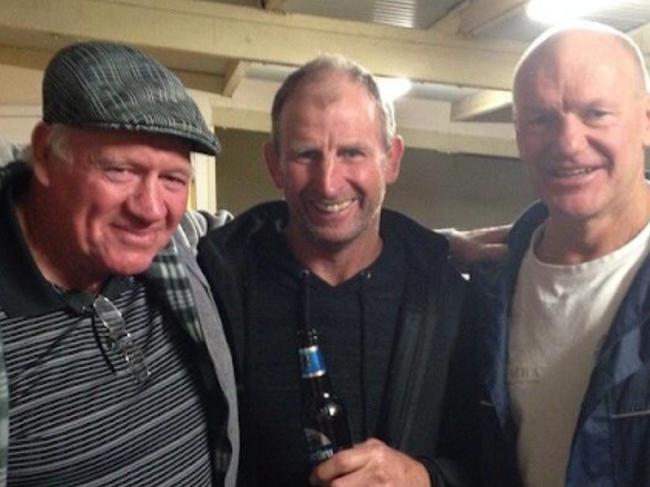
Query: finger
x=356 y=478
x=492 y=252
x=380 y=466
x=342 y=463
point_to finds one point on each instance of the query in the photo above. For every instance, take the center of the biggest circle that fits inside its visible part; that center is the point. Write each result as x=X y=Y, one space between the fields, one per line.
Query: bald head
x=583 y=43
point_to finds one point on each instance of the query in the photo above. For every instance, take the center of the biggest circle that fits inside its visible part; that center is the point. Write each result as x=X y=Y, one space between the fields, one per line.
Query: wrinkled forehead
x=326 y=88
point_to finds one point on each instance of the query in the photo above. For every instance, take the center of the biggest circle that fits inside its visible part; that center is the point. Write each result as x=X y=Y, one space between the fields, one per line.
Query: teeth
x=333 y=207
x=571 y=172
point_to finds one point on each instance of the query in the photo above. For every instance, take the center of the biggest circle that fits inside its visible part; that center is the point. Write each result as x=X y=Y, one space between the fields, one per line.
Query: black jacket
x=412 y=410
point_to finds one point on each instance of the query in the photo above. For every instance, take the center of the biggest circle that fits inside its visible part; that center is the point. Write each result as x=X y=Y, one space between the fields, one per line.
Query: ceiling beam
x=484 y=102
x=208 y=33
x=235 y=73
x=481 y=14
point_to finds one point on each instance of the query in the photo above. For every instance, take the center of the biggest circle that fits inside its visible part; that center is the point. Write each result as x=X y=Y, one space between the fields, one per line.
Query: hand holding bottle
x=371 y=463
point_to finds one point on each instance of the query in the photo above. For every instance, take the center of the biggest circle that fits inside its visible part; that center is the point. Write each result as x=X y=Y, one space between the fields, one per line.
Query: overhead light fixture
x=558 y=11
x=392 y=88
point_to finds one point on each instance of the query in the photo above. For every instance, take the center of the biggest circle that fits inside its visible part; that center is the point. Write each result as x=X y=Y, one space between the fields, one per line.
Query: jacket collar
x=495 y=283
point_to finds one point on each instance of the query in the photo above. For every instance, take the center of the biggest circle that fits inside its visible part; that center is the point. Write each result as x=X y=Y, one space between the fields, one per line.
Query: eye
x=594 y=115
x=175 y=180
x=307 y=156
x=351 y=152
x=539 y=120
x=119 y=173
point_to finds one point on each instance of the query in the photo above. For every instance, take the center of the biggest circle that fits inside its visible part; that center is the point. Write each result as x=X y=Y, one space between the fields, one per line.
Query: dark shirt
x=356 y=323
x=255 y=282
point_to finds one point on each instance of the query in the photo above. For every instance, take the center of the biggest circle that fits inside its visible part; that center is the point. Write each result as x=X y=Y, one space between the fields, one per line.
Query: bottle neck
x=312 y=367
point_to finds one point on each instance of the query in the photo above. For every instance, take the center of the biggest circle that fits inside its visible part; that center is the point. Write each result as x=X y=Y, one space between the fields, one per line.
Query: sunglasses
x=120 y=340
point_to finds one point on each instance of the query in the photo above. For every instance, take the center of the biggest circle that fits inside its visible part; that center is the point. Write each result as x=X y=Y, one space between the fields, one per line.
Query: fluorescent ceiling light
x=557 y=11
x=392 y=88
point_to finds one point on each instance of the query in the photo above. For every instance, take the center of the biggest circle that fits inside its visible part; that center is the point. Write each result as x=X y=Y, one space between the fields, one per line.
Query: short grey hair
x=333 y=64
x=57 y=142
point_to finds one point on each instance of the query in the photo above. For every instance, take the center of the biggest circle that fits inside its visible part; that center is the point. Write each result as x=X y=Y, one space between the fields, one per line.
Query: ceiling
x=459 y=53
x=419 y=14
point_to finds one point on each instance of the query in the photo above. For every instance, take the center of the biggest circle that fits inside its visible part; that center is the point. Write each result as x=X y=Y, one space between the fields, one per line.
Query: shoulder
x=491 y=275
x=524 y=227
x=227 y=250
x=14 y=177
x=427 y=258
x=422 y=243
x=195 y=224
x=240 y=231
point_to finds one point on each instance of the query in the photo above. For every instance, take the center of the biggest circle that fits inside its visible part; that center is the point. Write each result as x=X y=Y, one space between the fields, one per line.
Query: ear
x=394 y=160
x=272 y=159
x=41 y=153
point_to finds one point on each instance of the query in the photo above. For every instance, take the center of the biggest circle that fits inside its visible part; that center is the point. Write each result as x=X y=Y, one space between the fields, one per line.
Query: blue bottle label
x=311 y=362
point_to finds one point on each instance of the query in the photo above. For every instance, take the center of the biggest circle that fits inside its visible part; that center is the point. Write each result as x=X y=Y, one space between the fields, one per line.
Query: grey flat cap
x=113 y=86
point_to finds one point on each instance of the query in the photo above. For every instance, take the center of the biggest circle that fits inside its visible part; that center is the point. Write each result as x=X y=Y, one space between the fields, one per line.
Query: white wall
x=16 y=122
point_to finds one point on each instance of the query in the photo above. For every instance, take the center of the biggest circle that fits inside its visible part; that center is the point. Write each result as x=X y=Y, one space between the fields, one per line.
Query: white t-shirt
x=560 y=315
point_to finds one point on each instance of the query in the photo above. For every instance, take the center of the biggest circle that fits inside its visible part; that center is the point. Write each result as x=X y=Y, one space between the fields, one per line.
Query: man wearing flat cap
x=114 y=369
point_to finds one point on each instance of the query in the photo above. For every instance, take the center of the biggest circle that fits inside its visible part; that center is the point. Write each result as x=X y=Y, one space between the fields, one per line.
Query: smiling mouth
x=567 y=173
x=139 y=236
x=333 y=206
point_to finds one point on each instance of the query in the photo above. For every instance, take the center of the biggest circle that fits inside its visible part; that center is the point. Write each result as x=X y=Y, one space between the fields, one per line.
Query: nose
x=327 y=175
x=571 y=136
x=146 y=202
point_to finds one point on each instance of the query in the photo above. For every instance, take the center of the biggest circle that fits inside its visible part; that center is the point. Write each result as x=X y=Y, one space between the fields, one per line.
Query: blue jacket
x=611 y=443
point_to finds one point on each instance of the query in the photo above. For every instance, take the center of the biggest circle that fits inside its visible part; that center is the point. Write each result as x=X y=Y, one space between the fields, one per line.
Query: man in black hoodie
x=384 y=298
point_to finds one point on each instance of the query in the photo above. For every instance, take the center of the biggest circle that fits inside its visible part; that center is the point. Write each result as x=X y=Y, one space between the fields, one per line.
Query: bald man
x=561 y=346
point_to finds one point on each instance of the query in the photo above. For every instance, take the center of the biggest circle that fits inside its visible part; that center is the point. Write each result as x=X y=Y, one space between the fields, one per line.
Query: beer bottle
x=325 y=418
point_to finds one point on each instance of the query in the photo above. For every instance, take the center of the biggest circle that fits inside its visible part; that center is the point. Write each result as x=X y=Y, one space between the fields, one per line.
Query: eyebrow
x=103 y=161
